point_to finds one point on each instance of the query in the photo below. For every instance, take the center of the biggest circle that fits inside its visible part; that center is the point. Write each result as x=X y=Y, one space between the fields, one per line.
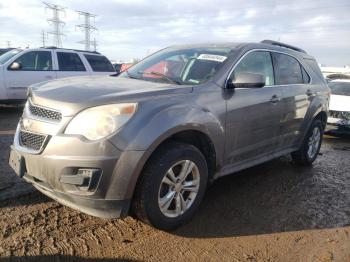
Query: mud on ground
x=273 y=212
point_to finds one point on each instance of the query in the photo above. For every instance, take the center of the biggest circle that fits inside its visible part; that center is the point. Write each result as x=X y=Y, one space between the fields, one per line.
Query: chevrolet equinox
x=149 y=140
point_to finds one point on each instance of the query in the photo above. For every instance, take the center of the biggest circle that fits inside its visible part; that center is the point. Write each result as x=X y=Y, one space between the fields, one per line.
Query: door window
x=258 y=62
x=69 y=62
x=99 y=63
x=35 y=61
x=306 y=77
x=288 y=70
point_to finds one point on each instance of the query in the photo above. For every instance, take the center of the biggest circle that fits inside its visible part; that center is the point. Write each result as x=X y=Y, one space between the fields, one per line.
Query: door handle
x=274 y=99
x=310 y=93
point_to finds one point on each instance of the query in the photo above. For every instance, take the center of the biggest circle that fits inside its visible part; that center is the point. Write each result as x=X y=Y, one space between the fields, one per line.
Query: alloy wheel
x=179 y=188
x=314 y=142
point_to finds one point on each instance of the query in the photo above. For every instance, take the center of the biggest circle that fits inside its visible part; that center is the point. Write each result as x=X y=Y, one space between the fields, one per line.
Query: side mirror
x=15 y=66
x=246 y=80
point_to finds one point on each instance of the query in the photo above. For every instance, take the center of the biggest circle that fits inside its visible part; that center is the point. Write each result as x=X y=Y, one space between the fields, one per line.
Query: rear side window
x=306 y=77
x=35 y=61
x=258 y=62
x=99 y=63
x=287 y=70
x=69 y=62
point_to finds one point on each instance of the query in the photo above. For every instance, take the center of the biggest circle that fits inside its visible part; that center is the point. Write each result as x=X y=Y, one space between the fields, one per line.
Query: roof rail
x=272 y=42
x=54 y=47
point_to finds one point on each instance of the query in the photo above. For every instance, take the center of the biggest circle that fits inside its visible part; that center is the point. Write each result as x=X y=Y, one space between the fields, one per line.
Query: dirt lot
x=272 y=212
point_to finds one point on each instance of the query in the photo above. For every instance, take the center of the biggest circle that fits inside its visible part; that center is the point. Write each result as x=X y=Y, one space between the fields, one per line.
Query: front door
x=35 y=67
x=253 y=114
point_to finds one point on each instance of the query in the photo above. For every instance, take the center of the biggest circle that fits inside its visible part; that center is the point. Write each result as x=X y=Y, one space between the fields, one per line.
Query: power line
x=56 y=23
x=87 y=28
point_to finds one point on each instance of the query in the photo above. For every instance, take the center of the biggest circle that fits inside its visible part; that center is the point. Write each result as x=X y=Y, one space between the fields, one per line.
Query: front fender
x=167 y=122
x=161 y=126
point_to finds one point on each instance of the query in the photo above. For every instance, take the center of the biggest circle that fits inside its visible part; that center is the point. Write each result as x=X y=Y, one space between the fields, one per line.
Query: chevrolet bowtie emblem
x=27 y=124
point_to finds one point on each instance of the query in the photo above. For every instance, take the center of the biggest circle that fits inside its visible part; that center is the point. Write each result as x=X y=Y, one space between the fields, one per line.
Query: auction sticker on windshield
x=217 y=58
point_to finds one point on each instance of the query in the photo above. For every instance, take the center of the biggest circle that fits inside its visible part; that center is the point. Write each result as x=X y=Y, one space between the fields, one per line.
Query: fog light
x=91 y=178
x=86 y=179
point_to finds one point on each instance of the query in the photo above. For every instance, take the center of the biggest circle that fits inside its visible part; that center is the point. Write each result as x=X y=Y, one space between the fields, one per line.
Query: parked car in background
x=125 y=66
x=151 y=138
x=120 y=67
x=117 y=67
x=339 y=106
x=21 y=68
x=4 y=50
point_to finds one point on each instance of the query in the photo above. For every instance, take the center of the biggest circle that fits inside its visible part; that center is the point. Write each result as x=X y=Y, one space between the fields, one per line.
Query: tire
x=152 y=190
x=305 y=156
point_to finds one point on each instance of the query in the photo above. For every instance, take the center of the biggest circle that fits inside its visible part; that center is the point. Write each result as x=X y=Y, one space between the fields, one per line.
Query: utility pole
x=87 y=28
x=43 y=38
x=56 y=23
x=94 y=44
x=8 y=44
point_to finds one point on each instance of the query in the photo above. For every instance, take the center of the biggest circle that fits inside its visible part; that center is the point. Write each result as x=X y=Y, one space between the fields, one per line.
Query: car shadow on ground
x=61 y=258
x=274 y=197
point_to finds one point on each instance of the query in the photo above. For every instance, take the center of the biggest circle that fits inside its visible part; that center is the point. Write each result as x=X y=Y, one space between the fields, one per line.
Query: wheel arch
x=193 y=136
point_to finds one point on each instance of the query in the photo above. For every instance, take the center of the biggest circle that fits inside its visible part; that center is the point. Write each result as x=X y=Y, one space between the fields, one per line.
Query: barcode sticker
x=217 y=58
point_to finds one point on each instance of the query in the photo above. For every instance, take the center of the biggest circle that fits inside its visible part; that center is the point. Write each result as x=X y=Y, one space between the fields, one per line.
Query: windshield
x=191 y=66
x=8 y=55
x=340 y=88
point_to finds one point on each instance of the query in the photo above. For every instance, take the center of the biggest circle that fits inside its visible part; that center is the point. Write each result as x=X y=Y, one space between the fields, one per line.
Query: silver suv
x=152 y=138
x=21 y=68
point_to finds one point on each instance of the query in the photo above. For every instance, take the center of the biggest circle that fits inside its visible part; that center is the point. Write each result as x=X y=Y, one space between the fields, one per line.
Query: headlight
x=100 y=121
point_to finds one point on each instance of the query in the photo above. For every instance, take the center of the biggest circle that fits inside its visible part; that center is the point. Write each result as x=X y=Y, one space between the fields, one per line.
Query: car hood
x=76 y=93
x=339 y=103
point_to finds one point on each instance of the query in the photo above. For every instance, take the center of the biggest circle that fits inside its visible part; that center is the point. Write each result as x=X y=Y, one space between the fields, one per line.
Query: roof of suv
x=77 y=50
x=265 y=44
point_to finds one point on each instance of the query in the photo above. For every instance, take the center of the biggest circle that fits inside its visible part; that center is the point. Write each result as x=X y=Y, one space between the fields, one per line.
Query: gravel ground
x=273 y=212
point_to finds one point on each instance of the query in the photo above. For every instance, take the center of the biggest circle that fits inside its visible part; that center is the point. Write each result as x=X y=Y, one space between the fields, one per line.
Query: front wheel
x=310 y=148
x=171 y=186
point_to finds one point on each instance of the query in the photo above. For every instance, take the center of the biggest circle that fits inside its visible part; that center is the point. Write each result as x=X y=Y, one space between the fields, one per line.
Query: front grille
x=31 y=140
x=46 y=113
x=339 y=114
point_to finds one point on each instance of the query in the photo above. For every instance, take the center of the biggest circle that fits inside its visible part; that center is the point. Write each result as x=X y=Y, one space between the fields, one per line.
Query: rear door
x=99 y=64
x=70 y=64
x=253 y=114
x=297 y=95
x=35 y=67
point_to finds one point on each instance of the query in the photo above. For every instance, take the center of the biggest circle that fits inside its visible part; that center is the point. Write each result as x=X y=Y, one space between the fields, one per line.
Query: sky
x=130 y=29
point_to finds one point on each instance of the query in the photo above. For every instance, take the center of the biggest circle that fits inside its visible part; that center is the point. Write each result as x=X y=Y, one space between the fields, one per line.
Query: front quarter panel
x=153 y=124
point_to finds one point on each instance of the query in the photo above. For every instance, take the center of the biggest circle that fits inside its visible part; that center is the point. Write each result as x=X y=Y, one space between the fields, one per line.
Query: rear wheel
x=171 y=187
x=310 y=148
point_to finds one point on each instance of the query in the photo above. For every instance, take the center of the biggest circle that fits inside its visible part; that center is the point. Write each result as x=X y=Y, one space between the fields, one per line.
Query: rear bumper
x=333 y=121
x=338 y=125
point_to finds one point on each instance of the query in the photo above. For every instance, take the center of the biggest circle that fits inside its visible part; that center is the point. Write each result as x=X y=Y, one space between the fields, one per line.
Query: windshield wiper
x=161 y=75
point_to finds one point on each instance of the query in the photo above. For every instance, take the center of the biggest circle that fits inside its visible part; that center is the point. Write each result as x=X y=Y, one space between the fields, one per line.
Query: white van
x=21 y=68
